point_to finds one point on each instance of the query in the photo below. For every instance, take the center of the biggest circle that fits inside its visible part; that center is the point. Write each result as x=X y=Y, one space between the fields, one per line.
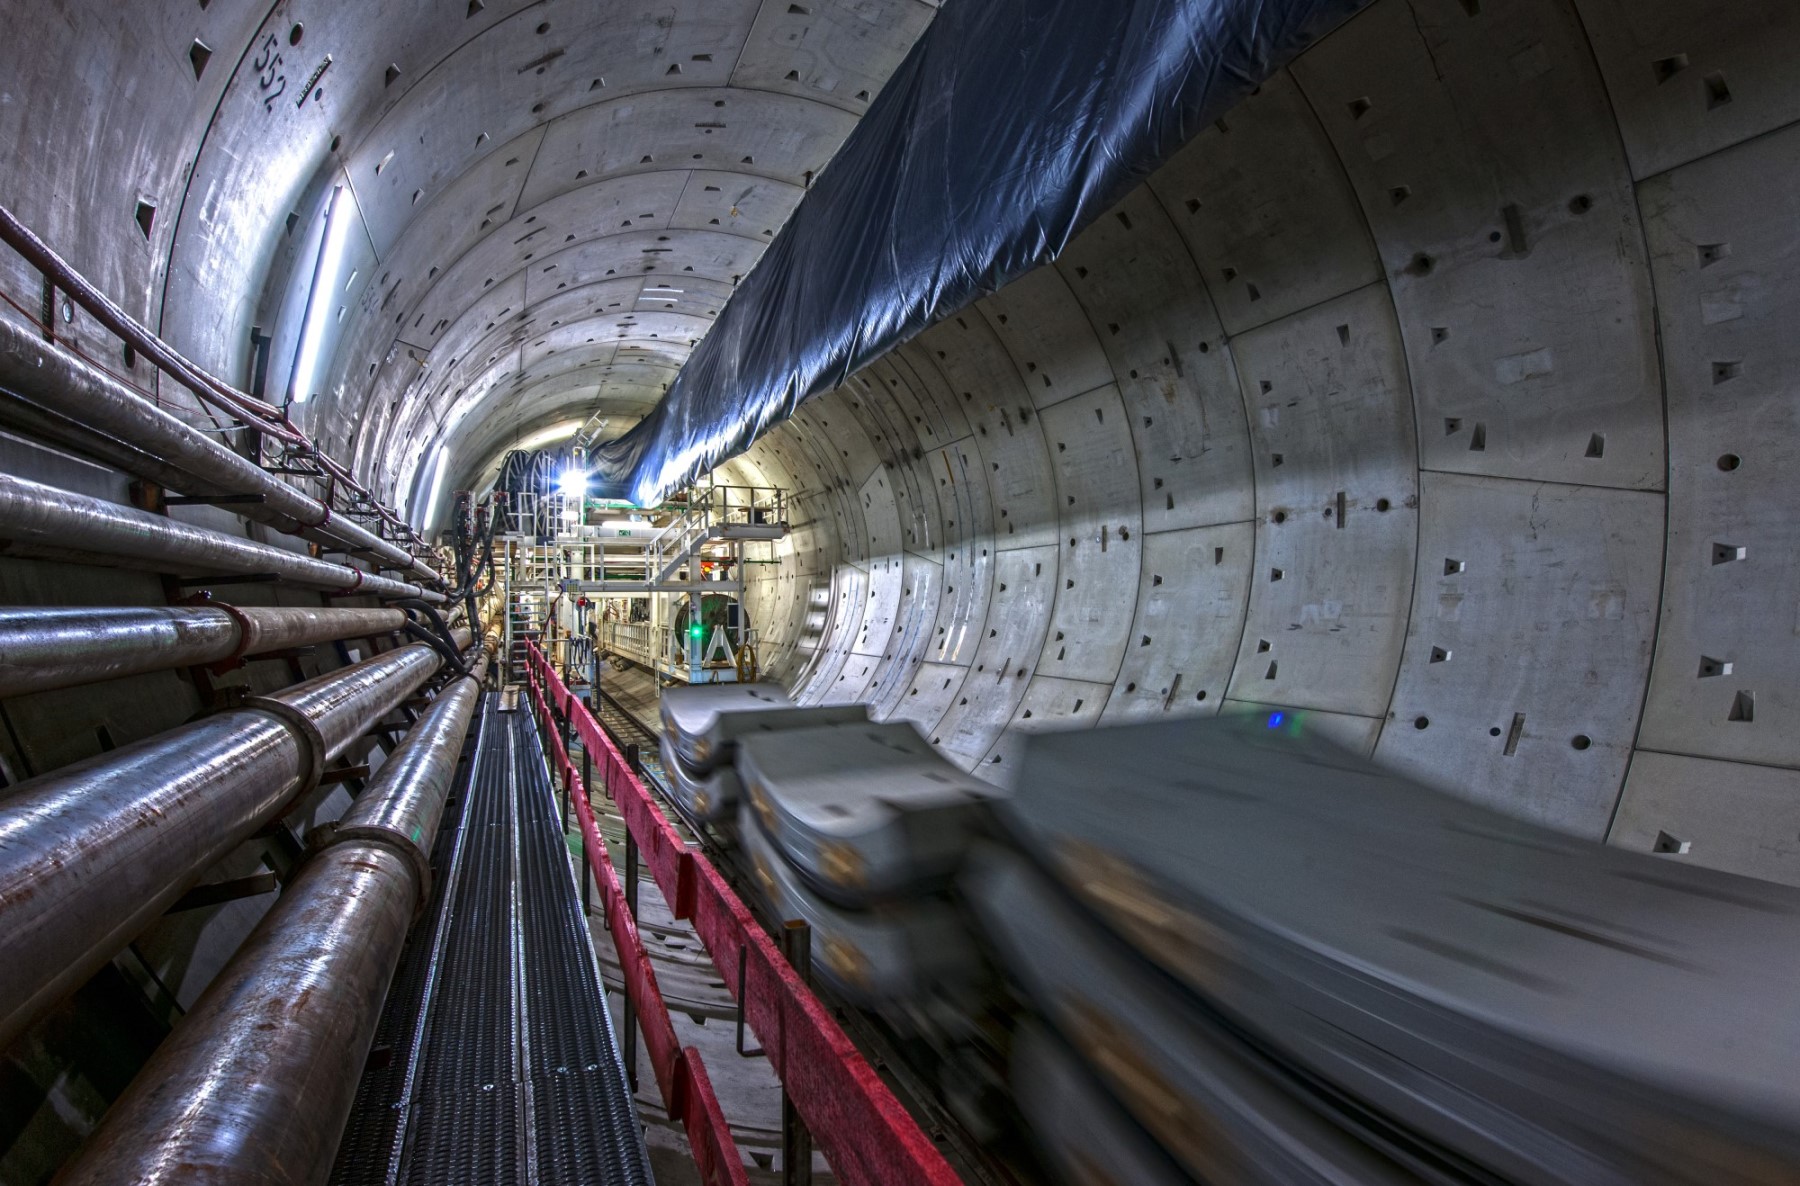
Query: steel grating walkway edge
x=496 y=1060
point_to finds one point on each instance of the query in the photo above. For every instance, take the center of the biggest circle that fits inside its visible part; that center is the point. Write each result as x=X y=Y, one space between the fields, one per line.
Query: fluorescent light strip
x=437 y=486
x=319 y=298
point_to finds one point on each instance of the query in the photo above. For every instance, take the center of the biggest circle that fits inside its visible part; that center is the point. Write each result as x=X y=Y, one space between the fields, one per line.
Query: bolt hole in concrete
x=1382 y=504
x=1421 y=722
x=296 y=33
x=1580 y=741
x=1494 y=732
x=1729 y=462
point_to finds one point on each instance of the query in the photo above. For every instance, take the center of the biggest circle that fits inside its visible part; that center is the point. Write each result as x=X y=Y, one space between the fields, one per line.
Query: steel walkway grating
x=504 y=1067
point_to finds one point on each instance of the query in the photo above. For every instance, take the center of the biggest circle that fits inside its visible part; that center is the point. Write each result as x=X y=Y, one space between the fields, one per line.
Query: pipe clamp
x=334 y=833
x=312 y=742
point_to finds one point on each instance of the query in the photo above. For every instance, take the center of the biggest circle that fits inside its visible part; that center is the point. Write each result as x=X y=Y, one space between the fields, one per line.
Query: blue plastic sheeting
x=1010 y=126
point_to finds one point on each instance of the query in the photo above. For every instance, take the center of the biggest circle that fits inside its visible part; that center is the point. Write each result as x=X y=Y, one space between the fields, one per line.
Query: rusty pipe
x=62 y=648
x=53 y=394
x=39 y=520
x=92 y=853
x=257 y=1081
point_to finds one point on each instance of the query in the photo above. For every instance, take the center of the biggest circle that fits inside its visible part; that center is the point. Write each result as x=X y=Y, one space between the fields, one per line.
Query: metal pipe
x=415 y=779
x=39 y=520
x=39 y=255
x=92 y=853
x=51 y=393
x=256 y=1082
x=263 y=416
x=62 y=648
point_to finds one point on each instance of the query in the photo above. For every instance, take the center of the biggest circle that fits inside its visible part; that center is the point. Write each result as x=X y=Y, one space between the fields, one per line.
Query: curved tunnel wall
x=1442 y=393
x=1521 y=269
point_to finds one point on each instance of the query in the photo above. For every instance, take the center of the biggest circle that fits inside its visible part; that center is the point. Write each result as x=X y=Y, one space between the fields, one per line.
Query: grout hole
x=1726 y=553
x=1717 y=93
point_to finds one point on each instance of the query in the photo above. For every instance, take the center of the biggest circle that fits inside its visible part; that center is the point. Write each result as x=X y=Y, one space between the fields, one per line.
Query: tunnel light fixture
x=555 y=432
x=573 y=483
x=319 y=298
x=439 y=465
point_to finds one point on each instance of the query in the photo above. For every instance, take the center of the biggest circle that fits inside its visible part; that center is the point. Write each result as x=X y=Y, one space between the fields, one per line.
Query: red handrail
x=867 y=1136
x=681 y=1076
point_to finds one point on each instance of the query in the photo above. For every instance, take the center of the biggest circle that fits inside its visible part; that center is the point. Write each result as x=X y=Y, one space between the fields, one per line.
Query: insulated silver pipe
x=63 y=648
x=39 y=520
x=257 y=1081
x=92 y=853
x=51 y=393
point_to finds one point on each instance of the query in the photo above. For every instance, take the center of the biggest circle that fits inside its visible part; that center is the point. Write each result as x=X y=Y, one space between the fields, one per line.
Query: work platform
x=661 y=587
x=496 y=1060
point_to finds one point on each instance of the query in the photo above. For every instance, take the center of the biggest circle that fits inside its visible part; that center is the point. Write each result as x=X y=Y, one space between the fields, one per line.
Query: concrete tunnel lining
x=1441 y=395
x=1517 y=271
x=1418 y=268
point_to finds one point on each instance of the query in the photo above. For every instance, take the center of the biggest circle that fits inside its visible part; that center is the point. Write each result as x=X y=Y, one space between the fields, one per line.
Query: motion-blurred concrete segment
x=1539 y=1004
x=706 y=723
x=865 y=811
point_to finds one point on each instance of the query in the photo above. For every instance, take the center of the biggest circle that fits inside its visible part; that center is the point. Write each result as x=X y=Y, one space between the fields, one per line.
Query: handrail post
x=796 y=1141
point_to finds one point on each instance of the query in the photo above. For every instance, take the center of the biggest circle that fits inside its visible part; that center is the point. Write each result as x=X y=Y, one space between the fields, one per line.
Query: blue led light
x=1275 y=719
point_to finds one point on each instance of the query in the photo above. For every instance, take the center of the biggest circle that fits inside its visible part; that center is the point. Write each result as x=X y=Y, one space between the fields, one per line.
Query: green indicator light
x=696 y=630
